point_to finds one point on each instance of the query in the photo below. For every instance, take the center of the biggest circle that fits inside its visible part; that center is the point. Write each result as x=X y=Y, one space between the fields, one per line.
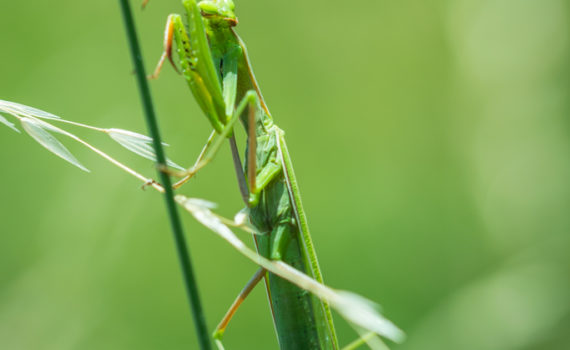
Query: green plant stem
x=181 y=247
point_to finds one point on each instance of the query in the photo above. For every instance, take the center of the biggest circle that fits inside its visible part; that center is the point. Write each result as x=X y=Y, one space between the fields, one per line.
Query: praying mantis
x=214 y=62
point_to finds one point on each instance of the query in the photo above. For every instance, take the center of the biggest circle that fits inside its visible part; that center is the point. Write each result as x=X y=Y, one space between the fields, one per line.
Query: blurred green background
x=431 y=140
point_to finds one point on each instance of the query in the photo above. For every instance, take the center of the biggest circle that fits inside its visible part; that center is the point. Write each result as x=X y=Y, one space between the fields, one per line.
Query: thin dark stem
x=182 y=249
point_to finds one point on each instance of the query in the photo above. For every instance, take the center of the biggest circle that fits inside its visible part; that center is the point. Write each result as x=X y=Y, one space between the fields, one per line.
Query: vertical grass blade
x=176 y=225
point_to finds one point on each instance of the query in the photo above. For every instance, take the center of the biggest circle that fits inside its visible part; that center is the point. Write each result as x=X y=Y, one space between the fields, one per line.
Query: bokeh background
x=431 y=140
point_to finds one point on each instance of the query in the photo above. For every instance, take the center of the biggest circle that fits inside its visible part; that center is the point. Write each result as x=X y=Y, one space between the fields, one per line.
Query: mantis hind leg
x=278 y=247
x=221 y=328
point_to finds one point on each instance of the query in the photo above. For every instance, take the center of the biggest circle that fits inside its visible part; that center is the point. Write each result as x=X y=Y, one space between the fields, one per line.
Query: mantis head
x=221 y=10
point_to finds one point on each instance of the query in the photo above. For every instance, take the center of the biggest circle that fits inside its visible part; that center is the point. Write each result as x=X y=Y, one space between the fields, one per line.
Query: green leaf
x=138 y=144
x=8 y=124
x=37 y=131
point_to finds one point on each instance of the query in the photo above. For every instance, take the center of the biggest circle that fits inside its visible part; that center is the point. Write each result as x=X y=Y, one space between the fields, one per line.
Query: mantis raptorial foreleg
x=167 y=52
x=196 y=64
x=188 y=55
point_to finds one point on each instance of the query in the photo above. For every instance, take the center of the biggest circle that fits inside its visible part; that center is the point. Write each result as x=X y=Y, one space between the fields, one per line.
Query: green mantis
x=215 y=64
